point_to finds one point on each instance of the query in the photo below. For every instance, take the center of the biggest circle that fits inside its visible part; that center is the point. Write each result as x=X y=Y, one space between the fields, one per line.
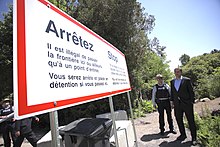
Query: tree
x=184 y=59
x=215 y=86
x=156 y=47
x=204 y=71
x=6 y=54
x=215 y=51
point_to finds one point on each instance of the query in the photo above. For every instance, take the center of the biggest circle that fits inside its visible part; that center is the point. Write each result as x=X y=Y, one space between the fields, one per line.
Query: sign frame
x=22 y=109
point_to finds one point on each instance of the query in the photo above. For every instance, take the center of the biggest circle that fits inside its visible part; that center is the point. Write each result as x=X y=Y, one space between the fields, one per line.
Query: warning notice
x=59 y=62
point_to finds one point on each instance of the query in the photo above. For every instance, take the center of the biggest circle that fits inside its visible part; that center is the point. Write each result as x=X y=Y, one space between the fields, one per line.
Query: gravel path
x=147 y=128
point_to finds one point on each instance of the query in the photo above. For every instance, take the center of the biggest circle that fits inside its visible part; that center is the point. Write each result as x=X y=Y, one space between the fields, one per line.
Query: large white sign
x=58 y=62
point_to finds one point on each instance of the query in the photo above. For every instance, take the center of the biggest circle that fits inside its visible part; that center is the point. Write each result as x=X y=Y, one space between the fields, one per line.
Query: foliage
x=147 y=106
x=138 y=113
x=204 y=73
x=155 y=45
x=142 y=107
x=184 y=59
x=215 y=84
x=6 y=55
x=208 y=128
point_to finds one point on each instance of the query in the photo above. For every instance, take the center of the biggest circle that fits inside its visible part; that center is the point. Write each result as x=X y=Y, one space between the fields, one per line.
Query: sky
x=189 y=27
x=4 y=7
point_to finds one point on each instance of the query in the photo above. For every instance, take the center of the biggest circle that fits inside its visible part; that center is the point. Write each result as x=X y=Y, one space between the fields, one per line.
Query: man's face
x=177 y=73
x=159 y=80
x=5 y=104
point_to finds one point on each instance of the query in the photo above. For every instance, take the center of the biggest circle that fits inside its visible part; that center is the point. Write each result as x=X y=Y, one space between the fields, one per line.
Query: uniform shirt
x=6 y=111
x=155 y=90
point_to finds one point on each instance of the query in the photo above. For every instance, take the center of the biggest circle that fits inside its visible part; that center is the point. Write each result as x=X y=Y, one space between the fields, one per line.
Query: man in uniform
x=161 y=99
x=8 y=124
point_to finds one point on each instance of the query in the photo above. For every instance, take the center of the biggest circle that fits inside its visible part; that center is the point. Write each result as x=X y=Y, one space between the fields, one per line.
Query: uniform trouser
x=29 y=136
x=165 y=105
x=7 y=131
x=179 y=109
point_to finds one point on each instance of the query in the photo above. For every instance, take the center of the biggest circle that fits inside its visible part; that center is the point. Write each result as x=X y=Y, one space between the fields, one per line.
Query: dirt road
x=147 y=128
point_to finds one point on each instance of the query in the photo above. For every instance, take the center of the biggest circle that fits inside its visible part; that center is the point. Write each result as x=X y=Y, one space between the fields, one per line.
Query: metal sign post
x=55 y=142
x=113 y=120
x=132 y=119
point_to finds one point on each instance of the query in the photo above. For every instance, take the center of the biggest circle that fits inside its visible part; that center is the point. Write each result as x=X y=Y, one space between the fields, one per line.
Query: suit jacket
x=185 y=94
x=23 y=125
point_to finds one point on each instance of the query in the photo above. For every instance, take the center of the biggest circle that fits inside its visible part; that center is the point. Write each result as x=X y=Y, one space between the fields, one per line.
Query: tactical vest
x=162 y=92
x=7 y=111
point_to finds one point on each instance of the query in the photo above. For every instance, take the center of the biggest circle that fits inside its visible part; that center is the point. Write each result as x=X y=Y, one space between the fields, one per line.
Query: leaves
x=184 y=59
x=6 y=54
x=204 y=73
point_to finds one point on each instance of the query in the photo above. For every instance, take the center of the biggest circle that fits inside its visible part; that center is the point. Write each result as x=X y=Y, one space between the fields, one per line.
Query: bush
x=208 y=130
x=215 y=86
x=142 y=107
x=147 y=106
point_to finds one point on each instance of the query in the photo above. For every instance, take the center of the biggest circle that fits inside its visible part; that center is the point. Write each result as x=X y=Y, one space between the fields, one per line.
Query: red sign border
x=23 y=108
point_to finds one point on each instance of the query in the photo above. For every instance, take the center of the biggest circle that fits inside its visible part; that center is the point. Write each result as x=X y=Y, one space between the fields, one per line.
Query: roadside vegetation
x=208 y=127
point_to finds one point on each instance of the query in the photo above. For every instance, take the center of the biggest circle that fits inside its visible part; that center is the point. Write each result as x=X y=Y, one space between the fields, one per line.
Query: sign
x=58 y=62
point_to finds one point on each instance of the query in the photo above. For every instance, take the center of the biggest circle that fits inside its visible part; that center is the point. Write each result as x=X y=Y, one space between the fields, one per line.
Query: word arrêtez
x=76 y=40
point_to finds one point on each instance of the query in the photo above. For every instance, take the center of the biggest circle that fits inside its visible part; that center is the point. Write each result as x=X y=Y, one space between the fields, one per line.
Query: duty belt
x=163 y=98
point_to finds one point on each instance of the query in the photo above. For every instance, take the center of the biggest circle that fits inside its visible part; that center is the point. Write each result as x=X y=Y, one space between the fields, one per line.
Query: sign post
x=54 y=129
x=132 y=119
x=113 y=120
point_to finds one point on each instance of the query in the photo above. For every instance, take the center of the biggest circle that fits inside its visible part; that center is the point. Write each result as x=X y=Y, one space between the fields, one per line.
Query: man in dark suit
x=23 y=130
x=183 y=97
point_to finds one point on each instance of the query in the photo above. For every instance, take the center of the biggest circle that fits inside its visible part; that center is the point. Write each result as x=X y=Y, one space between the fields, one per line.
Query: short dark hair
x=178 y=68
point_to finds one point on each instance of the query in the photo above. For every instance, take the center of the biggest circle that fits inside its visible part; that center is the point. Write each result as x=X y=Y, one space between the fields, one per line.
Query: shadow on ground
x=150 y=137
x=175 y=143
